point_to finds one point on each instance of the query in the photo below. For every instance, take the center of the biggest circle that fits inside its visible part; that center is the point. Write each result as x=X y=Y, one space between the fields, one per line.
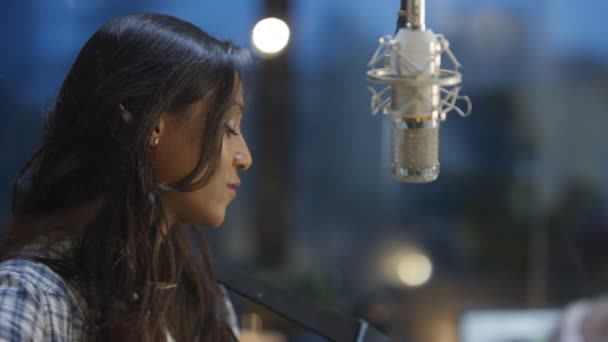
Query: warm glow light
x=252 y=331
x=414 y=269
x=270 y=36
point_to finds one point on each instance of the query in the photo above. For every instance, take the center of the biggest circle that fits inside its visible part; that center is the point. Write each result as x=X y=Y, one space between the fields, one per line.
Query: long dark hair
x=92 y=183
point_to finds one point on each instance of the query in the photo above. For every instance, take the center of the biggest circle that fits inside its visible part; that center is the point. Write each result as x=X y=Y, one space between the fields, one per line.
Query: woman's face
x=177 y=151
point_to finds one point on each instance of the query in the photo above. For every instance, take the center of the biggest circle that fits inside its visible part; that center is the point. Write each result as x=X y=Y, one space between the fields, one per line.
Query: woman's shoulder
x=36 y=302
x=34 y=277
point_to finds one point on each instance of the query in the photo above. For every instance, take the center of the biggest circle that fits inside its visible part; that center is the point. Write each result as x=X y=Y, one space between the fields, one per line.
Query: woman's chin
x=216 y=225
x=215 y=222
x=204 y=217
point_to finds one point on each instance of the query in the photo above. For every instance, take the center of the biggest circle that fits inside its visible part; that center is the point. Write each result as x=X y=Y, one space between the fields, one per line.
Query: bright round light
x=414 y=269
x=270 y=36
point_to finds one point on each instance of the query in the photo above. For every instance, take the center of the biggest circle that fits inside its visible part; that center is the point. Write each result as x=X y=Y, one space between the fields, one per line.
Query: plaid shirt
x=36 y=304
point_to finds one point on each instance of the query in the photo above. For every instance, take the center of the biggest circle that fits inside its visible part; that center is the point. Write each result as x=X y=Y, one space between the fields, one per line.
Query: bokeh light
x=414 y=268
x=270 y=36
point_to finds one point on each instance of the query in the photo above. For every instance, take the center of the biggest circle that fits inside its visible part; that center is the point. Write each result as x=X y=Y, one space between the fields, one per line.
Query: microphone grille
x=415 y=150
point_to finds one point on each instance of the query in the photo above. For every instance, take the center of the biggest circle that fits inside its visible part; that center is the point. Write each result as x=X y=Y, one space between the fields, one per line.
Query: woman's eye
x=231 y=131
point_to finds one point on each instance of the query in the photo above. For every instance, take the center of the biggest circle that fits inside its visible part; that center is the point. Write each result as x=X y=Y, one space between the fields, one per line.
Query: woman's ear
x=159 y=130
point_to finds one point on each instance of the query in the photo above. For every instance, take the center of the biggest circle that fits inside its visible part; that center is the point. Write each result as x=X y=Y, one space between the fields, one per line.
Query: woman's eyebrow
x=240 y=105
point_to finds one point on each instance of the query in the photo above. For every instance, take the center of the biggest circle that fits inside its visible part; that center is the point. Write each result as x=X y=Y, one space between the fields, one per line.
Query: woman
x=142 y=143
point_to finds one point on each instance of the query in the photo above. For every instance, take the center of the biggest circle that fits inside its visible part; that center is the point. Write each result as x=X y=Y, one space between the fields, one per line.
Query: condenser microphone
x=417 y=94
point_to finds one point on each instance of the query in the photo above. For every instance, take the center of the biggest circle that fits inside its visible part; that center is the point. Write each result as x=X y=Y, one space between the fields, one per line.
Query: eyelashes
x=231 y=131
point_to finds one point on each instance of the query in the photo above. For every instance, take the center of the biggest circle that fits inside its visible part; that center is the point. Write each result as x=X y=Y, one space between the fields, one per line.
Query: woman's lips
x=233 y=188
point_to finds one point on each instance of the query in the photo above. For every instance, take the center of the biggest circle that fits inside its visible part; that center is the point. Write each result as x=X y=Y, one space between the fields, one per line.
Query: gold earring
x=156 y=141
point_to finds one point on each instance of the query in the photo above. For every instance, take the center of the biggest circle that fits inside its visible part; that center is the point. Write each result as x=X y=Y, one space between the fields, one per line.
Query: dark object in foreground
x=327 y=323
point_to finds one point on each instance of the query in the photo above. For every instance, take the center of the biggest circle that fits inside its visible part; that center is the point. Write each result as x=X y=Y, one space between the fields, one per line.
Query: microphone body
x=421 y=94
x=414 y=115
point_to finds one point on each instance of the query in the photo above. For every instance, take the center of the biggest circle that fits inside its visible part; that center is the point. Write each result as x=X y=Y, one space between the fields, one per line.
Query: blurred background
x=515 y=227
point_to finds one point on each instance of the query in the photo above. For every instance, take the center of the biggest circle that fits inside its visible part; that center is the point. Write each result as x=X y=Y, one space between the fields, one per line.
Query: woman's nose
x=242 y=158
